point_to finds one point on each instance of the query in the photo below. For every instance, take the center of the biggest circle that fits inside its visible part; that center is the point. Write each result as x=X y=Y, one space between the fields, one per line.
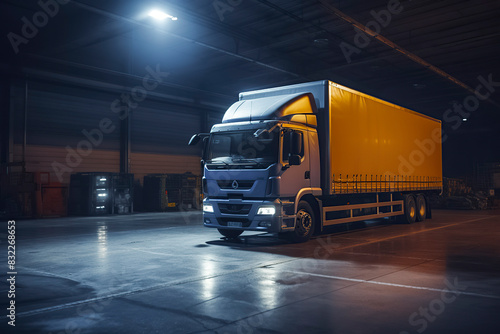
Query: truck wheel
x=304 y=226
x=421 y=208
x=231 y=234
x=410 y=214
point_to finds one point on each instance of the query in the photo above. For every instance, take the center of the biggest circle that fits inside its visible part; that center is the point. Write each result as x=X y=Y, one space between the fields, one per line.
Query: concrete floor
x=165 y=273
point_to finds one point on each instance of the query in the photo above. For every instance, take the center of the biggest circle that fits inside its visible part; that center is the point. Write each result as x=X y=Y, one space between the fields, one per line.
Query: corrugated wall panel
x=214 y=118
x=144 y=163
x=54 y=160
x=164 y=128
x=58 y=115
x=42 y=158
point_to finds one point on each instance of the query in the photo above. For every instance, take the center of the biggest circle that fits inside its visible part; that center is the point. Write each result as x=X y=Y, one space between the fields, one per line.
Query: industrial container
x=90 y=194
x=17 y=191
x=123 y=193
x=154 y=192
x=171 y=192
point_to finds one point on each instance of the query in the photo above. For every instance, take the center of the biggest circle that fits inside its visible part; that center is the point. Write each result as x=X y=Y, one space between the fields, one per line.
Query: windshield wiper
x=250 y=160
x=219 y=161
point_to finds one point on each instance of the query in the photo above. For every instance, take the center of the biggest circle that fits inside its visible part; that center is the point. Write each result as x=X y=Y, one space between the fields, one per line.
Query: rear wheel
x=410 y=215
x=421 y=205
x=304 y=226
x=231 y=234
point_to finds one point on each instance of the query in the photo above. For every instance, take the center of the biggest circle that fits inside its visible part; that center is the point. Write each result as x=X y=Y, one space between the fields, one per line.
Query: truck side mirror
x=204 y=149
x=294 y=160
x=194 y=140
x=296 y=142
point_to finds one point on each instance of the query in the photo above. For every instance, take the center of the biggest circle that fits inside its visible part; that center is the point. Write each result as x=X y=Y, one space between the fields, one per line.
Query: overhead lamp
x=161 y=15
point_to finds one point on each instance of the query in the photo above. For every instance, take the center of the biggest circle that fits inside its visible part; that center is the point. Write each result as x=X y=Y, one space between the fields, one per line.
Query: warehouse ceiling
x=439 y=58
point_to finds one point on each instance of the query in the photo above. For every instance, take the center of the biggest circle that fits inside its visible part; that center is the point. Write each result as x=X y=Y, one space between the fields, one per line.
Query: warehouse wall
x=147 y=163
x=159 y=127
x=4 y=119
x=59 y=115
x=73 y=129
x=40 y=159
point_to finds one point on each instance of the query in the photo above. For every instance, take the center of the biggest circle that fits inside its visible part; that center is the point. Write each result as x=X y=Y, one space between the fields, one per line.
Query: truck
x=293 y=160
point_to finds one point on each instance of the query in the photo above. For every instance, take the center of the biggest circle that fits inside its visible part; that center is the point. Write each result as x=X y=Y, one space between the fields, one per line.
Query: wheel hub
x=304 y=222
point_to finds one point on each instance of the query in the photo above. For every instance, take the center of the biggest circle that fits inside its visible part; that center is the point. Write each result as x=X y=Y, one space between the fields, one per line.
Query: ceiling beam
x=397 y=48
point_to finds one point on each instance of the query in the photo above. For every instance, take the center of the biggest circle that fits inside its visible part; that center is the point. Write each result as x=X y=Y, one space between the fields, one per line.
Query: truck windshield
x=242 y=150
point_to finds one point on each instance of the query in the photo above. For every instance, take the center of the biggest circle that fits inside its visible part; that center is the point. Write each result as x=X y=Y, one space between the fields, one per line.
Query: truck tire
x=304 y=226
x=410 y=215
x=421 y=204
x=231 y=234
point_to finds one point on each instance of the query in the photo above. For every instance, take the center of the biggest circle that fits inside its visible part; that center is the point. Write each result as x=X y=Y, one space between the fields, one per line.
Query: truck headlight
x=266 y=210
x=208 y=208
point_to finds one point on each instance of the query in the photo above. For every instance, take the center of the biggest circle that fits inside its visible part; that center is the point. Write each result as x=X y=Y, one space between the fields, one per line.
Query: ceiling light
x=160 y=15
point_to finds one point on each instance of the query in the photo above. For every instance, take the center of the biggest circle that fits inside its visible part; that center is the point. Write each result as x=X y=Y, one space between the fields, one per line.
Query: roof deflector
x=271 y=108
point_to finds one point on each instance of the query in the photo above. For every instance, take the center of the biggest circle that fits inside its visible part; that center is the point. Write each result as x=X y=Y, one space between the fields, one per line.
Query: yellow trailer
x=379 y=146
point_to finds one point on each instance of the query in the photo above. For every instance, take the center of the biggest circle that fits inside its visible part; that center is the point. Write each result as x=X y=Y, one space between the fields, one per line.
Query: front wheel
x=304 y=226
x=231 y=234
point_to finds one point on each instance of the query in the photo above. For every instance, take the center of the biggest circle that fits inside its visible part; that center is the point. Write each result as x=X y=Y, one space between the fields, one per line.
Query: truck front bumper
x=244 y=215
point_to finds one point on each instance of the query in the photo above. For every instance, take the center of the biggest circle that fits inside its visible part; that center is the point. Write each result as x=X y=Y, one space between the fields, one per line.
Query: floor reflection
x=102 y=242
x=208 y=268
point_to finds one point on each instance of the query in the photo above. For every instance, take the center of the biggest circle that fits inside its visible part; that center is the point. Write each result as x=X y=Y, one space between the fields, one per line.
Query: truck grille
x=231 y=184
x=235 y=209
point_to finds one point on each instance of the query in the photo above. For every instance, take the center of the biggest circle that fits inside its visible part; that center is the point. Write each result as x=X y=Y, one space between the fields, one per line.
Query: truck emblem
x=235 y=185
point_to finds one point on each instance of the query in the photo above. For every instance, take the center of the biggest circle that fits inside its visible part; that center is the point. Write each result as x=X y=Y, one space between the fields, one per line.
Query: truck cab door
x=294 y=149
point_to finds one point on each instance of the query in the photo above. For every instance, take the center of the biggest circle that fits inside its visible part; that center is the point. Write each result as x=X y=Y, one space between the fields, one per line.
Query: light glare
x=208 y=208
x=160 y=15
x=266 y=210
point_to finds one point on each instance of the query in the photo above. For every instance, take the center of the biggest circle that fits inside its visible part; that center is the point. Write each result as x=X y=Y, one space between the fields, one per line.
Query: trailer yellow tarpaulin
x=379 y=146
